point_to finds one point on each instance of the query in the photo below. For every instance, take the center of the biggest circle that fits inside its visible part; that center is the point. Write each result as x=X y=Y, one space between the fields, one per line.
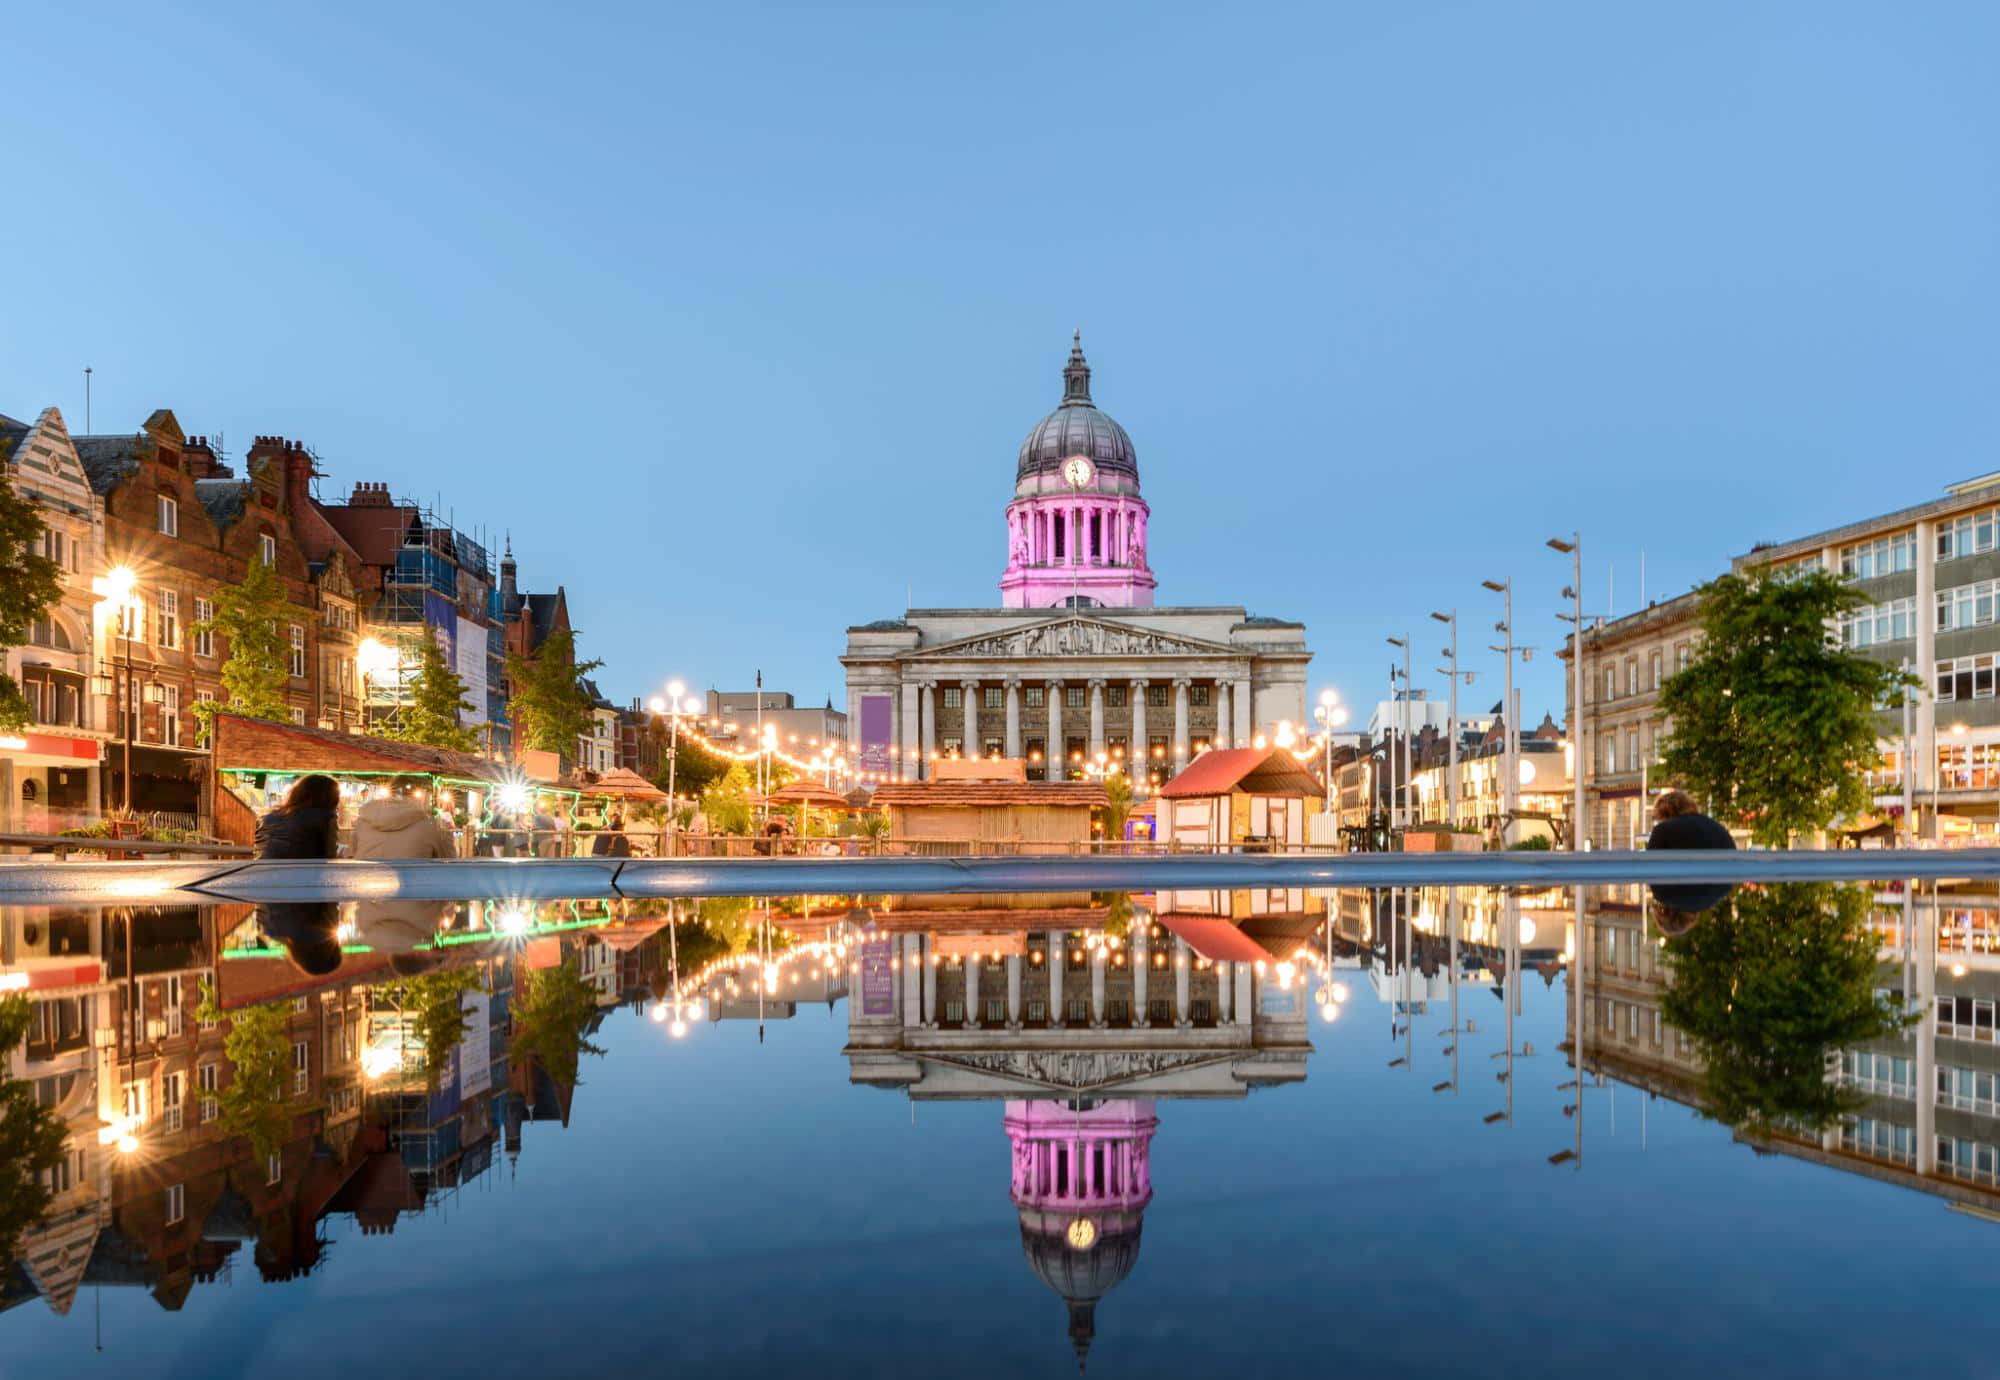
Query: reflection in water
x=217 y=1102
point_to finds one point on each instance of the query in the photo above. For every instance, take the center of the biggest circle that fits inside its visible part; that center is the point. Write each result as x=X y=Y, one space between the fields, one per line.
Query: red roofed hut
x=1254 y=798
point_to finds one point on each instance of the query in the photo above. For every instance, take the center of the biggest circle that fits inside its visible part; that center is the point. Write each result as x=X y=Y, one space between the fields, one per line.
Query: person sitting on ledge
x=1679 y=823
x=305 y=826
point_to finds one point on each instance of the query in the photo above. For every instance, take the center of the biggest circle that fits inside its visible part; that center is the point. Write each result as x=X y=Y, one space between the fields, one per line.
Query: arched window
x=46 y=632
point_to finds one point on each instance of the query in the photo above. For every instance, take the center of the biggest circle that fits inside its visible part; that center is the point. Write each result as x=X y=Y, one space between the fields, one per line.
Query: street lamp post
x=1573 y=548
x=1451 y=721
x=1510 y=741
x=1330 y=715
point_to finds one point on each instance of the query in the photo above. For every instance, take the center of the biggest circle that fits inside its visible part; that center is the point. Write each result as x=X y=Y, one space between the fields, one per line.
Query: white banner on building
x=472 y=670
x=475 y=1055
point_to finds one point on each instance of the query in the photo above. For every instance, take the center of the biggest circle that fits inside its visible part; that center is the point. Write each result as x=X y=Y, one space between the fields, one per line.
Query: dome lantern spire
x=1076 y=375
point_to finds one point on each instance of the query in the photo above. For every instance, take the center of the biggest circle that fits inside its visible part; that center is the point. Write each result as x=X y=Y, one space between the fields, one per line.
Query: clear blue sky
x=736 y=315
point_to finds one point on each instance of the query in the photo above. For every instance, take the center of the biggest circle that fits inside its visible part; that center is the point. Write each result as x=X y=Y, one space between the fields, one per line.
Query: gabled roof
x=1254 y=771
x=542 y=611
x=109 y=460
x=223 y=499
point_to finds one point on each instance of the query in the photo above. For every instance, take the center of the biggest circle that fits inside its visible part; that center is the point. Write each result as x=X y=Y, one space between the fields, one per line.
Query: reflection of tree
x=434 y=1003
x=31 y=1137
x=255 y=1104
x=552 y=1008
x=1767 y=985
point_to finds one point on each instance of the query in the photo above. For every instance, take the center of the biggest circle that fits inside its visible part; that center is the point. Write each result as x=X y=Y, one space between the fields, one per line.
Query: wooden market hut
x=1240 y=797
x=990 y=806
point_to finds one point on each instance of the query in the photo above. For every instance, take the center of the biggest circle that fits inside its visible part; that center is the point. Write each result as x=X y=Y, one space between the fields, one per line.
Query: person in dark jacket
x=306 y=825
x=610 y=841
x=1678 y=823
x=310 y=932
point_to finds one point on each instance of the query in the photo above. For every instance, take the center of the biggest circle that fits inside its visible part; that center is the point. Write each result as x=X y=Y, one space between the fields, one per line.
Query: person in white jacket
x=400 y=826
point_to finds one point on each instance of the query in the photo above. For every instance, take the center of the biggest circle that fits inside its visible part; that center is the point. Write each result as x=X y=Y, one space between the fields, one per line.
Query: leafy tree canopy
x=32 y=1137
x=29 y=585
x=548 y=704
x=435 y=1003
x=1773 y=721
x=1766 y=985
x=553 y=1007
x=255 y=1103
x=437 y=697
x=251 y=616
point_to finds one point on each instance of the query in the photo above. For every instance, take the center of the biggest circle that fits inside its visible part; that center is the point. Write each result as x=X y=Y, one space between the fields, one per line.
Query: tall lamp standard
x=1409 y=812
x=1510 y=742
x=1573 y=548
x=115 y=590
x=1451 y=719
x=1330 y=715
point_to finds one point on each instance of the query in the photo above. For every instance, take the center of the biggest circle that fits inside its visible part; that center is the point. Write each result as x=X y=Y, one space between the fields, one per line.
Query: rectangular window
x=1610 y=754
x=1156 y=696
x=169 y=619
x=170 y=517
x=1073 y=697
x=1198 y=696
x=1884 y=556
x=954 y=1013
x=1657 y=658
x=952 y=746
x=996 y=1011
x=1965 y=536
x=1114 y=696
x=298 y=716
x=1611 y=682
x=952 y=697
x=1894 y=621
x=1032 y=697
x=173 y=1093
x=204 y=638
x=1119 y=1011
x=1683 y=653
x=1073 y=751
x=996 y=697
x=298 y=667
x=1631 y=675
x=1035 y=747
x=170 y=734
x=1156 y=747
x=992 y=747
x=1078 y=1010
x=267 y=549
x=274 y=1167
x=176 y=1203
x=1202 y=1011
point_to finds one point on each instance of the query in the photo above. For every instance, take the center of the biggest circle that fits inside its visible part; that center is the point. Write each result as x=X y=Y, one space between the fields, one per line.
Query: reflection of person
x=308 y=930
x=1679 y=824
x=400 y=826
x=399 y=926
x=306 y=825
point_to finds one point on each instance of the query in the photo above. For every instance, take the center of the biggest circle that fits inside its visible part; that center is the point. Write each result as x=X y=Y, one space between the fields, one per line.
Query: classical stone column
x=907 y=738
x=1013 y=991
x=912 y=960
x=1141 y=952
x=926 y=961
x=1182 y=980
x=1058 y=956
x=1053 y=758
x=1246 y=723
x=1220 y=695
x=972 y=991
x=1138 y=757
x=1181 y=748
x=1096 y=718
x=929 y=728
x=1245 y=1005
x=1013 y=716
x=1098 y=964
x=1224 y=989
x=970 y=746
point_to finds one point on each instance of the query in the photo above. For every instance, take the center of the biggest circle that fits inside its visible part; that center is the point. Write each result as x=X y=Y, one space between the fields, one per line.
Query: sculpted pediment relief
x=1079 y=637
x=1076 y=1070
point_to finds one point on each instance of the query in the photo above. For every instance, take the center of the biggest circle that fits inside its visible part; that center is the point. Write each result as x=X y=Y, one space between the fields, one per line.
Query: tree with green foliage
x=1118 y=787
x=250 y=615
x=29 y=584
x=32 y=1137
x=435 y=1003
x=548 y=705
x=1773 y=721
x=437 y=697
x=256 y=1102
x=726 y=801
x=694 y=766
x=1767 y=985
x=553 y=1007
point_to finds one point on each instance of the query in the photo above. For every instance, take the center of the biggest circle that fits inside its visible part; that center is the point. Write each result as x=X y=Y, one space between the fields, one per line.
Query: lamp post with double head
x=1573 y=548
x=1409 y=814
x=1330 y=714
x=1451 y=719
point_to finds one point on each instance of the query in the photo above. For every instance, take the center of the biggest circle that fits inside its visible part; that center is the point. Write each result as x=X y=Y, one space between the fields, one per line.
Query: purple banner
x=878 y=717
x=878 y=979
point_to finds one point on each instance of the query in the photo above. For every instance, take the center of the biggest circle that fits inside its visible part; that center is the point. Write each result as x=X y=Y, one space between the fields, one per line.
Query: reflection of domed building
x=1076 y=660
x=1082 y=1180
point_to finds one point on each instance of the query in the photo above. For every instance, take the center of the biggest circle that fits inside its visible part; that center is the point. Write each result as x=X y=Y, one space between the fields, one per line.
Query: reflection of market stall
x=257 y=761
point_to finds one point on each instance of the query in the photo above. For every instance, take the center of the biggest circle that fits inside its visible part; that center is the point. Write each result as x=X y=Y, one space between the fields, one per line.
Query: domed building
x=1076 y=530
x=1082 y=1179
x=1077 y=666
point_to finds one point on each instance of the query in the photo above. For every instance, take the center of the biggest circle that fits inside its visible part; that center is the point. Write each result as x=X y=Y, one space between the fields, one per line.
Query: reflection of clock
x=1082 y=1234
x=1076 y=471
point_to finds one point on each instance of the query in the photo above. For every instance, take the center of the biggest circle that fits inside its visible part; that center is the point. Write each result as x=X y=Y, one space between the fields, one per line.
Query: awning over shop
x=1215 y=939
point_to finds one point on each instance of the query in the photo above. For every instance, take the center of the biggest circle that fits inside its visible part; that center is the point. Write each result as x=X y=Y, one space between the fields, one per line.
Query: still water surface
x=1186 y=1133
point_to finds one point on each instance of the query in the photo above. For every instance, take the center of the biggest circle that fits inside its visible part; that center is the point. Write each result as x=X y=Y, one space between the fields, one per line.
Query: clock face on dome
x=1082 y=1232
x=1077 y=471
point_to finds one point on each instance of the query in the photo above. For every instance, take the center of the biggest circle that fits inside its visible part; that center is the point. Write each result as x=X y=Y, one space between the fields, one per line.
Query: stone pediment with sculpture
x=1059 y=637
x=1082 y=1070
